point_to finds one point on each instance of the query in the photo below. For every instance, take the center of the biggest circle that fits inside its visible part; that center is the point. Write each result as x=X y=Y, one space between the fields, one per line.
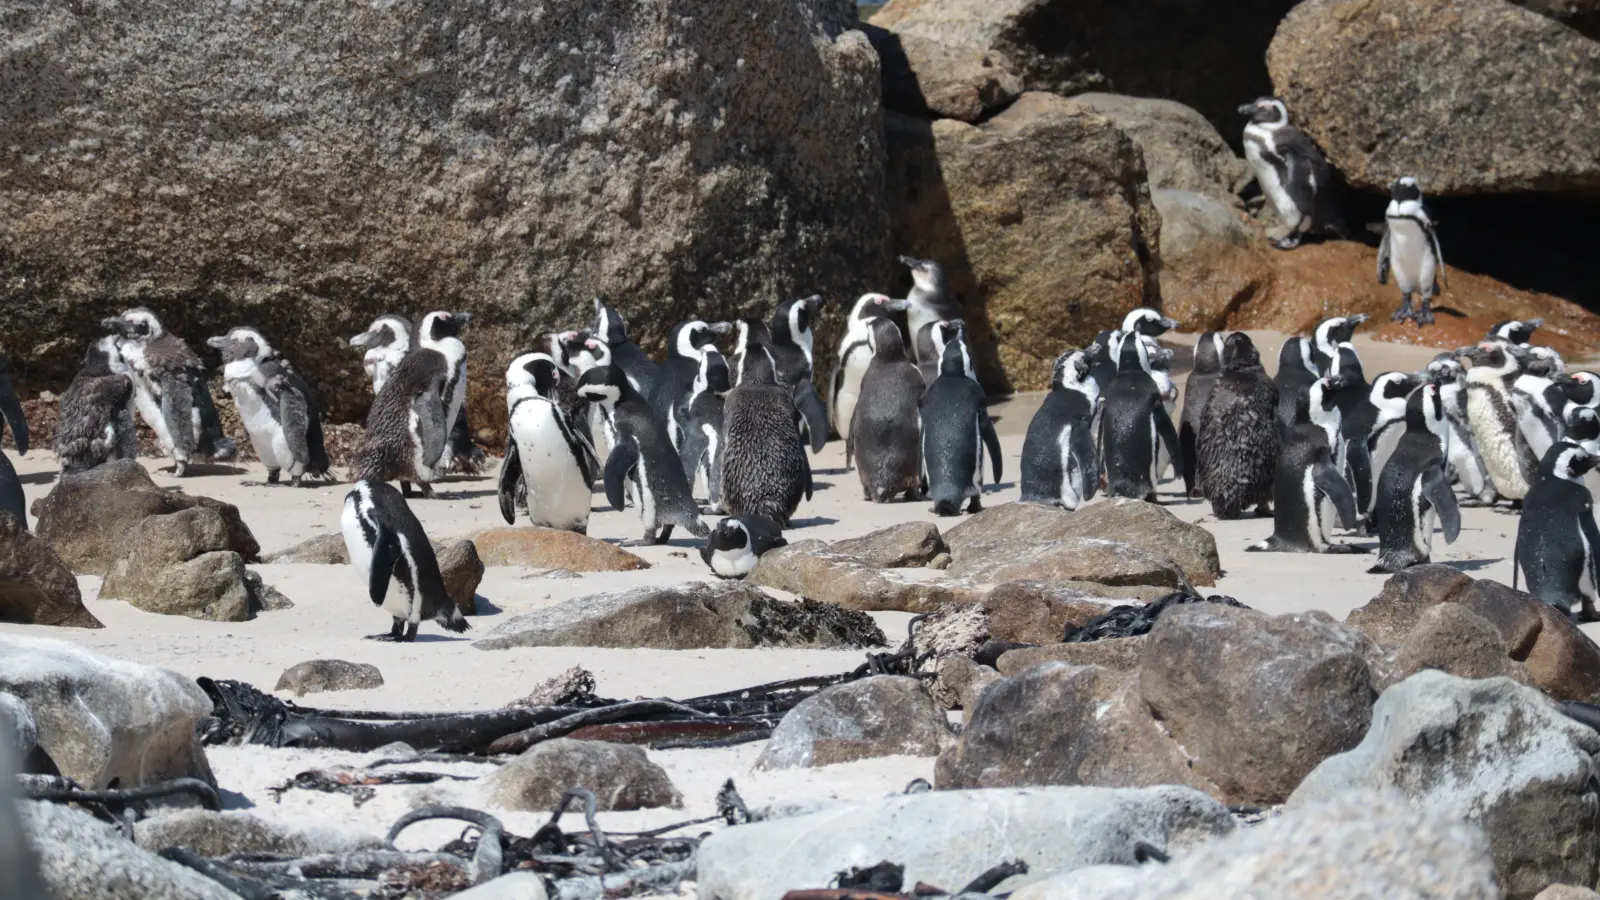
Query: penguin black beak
x=911 y=262
x=813 y=300
x=1168 y=323
x=217 y=342
x=1249 y=109
x=360 y=340
x=721 y=327
x=1358 y=318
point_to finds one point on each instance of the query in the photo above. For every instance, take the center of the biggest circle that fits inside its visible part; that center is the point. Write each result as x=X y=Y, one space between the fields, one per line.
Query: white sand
x=444 y=672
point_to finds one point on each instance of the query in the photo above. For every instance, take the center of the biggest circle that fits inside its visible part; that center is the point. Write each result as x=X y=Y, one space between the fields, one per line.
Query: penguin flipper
x=385 y=554
x=991 y=441
x=1591 y=535
x=815 y=414
x=209 y=439
x=1383 y=257
x=1436 y=488
x=432 y=429
x=177 y=402
x=11 y=409
x=1438 y=255
x=624 y=457
x=805 y=469
x=295 y=415
x=510 y=484
x=316 y=448
x=1168 y=435
x=691 y=451
x=1327 y=480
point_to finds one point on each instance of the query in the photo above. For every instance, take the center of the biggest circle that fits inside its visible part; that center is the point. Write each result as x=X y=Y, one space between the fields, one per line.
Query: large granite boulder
x=83 y=858
x=1042 y=219
x=1197 y=228
x=882 y=716
x=86 y=518
x=179 y=564
x=1068 y=559
x=734 y=615
x=1146 y=526
x=930 y=77
x=324 y=549
x=816 y=571
x=36 y=587
x=621 y=777
x=1492 y=752
x=1182 y=151
x=1117 y=654
x=952 y=837
x=1038 y=612
x=308 y=167
x=552 y=548
x=105 y=720
x=1376 y=82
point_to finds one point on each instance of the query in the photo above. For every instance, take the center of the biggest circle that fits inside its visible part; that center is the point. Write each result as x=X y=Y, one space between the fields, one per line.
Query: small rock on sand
x=317 y=675
x=622 y=777
x=881 y=716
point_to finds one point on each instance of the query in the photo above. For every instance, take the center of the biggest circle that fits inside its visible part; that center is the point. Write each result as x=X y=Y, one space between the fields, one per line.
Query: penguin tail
x=1270 y=545
x=450 y=619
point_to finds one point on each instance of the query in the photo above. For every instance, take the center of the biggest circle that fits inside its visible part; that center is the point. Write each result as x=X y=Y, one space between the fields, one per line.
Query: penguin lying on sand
x=275 y=405
x=385 y=541
x=1557 y=541
x=1060 y=459
x=170 y=391
x=1292 y=172
x=642 y=456
x=96 y=421
x=547 y=469
x=1410 y=248
x=1308 y=489
x=956 y=429
x=735 y=546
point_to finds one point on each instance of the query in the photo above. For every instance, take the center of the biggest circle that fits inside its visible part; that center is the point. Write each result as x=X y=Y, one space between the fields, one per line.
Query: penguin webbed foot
x=1288 y=242
x=1405 y=311
x=975 y=505
x=180 y=469
x=1424 y=316
x=272 y=477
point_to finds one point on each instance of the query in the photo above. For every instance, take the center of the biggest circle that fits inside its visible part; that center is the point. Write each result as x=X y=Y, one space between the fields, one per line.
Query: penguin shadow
x=465 y=495
x=820 y=485
x=811 y=521
x=39 y=478
x=999 y=486
x=838 y=471
x=1471 y=565
x=234 y=799
x=483 y=606
x=439 y=639
x=203 y=469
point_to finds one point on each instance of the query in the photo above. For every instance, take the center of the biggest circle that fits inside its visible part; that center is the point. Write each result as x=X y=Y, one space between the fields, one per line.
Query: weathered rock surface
x=218 y=834
x=815 y=571
x=317 y=675
x=517 y=885
x=1375 y=82
x=1196 y=226
x=36 y=587
x=1037 y=612
x=622 y=777
x=1068 y=559
x=85 y=859
x=951 y=837
x=880 y=716
x=1235 y=687
x=959 y=681
x=1492 y=752
x=86 y=518
x=462 y=569
x=17 y=726
x=179 y=564
x=550 y=548
x=925 y=77
x=324 y=549
x=1042 y=219
x=1117 y=654
x=895 y=547
x=1390 y=616
x=105 y=720
x=735 y=615
x=1452 y=638
x=1567 y=892
x=657 y=154
x=1356 y=847
x=1146 y=526
x=1182 y=151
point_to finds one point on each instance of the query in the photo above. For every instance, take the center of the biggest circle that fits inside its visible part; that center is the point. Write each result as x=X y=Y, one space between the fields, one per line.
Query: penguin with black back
x=686 y=347
x=1060 y=460
x=1238 y=449
x=170 y=392
x=956 y=430
x=1196 y=391
x=1413 y=489
x=640 y=369
x=929 y=302
x=1387 y=397
x=1292 y=172
x=386 y=542
x=1309 y=494
x=886 y=430
x=441 y=332
x=1461 y=450
x=789 y=342
x=1134 y=423
x=95 y=425
x=1144 y=320
x=936 y=337
x=642 y=456
x=701 y=451
x=1331 y=334
x=763 y=465
x=385 y=342
x=407 y=427
x=855 y=354
x=735 y=546
x=1357 y=416
x=1557 y=541
x=1297 y=371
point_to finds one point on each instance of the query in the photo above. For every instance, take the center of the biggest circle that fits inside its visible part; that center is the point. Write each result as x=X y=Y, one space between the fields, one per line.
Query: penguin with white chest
x=1238 y=449
x=1492 y=414
x=735 y=546
x=855 y=354
x=1060 y=460
x=386 y=341
x=625 y=354
x=1410 y=248
x=1292 y=172
x=96 y=421
x=642 y=456
x=546 y=469
x=1144 y=320
x=762 y=463
x=1461 y=451
x=1413 y=490
x=170 y=390
x=275 y=405
x=686 y=347
x=1558 y=545
x=1387 y=398
x=1134 y=423
x=1309 y=493
x=440 y=332
x=386 y=542
x=886 y=431
x=703 y=414
x=956 y=430
x=1330 y=335
x=928 y=302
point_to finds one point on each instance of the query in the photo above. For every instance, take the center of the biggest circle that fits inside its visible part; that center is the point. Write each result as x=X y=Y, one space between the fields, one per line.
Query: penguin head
x=385 y=331
x=1158 y=357
x=713 y=374
x=1268 y=111
x=1347 y=363
x=1491 y=356
x=1403 y=189
x=730 y=534
x=1578 y=386
x=1515 y=331
x=1392 y=389
x=791 y=321
x=1337 y=330
x=1542 y=361
x=1321 y=399
x=1567 y=461
x=690 y=339
x=135 y=324
x=1131 y=353
x=1583 y=424
x=1238 y=352
x=1445 y=369
x=751 y=332
x=609 y=326
x=1072 y=367
x=927 y=275
x=1428 y=408
x=604 y=385
x=585 y=351
x=241 y=344
x=887 y=342
x=537 y=370
x=441 y=325
x=1294 y=354
x=1208 y=353
x=870 y=306
x=942 y=334
x=104 y=357
x=955 y=359
x=1147 y=321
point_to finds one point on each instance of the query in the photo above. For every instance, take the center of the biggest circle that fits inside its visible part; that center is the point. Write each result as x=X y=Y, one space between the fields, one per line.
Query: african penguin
x=1133 y=426
x=929 y=300
x=1145 y=321
x=1410 y=247
x=11 y=410
x=788 y=340
x=1160 y=359
x=440 y=331
x=1492 y=415
x=1329 y=336
x=1309 y=494
x=1387 y=397
x=1461 y=451
x=1557 y=542
x=642 y=456
x=95 y=425
x=886 y=431
x=387 y=543
x=735 y=546
x=956 y=429
x=170 y=390
x=1580 y=388
x=1297 y=370
x=1060 y=460
x=1514 y=331
x=1196 y=390
x=1238 y=449
x=546 y=468
x=855 y=354
x=935 y=337
x=407 y=429
x=701 y=452
x=625 y=354
x=1290 y=168
x=275 y=405
x=686 y=346
x=1356 y=418
x=763 y=465
x=580 y=352
x=387 y=340
x=1583 y=429
x=1413 y=489
x=1539 y=402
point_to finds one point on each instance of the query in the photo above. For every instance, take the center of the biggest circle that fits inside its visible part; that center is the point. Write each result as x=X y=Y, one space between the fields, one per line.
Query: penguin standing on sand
x=928 y=302
x=1238 y=449
x=703 y=414
x=386 y=341
x=1387 y=397
x=735 y=546
x=440 y=332
x=1060 y=460
x=1144 y=320
x=936 y=337
x=546 y=469
x=1410 y=247
x=1160 y=359
x=1356 y=417
x=789 y=342
x=95 y=425
x=1492 y=414
x=1196 y=391
x=956 y=429
x=642 y=456
x=1297 y=371
x=170 y=390
x=1292 y=172
x=407 y=431
x=581 y=351
x=763 y=465
x=275 y=405
x=686 y=347
x=855 y=354
x=1413 y=489
x=1134 y=423
x=1557 y=541
x=1309 y=494
x=886 y=431
x=387 y=543
x=625 y=354
x=1461 y=451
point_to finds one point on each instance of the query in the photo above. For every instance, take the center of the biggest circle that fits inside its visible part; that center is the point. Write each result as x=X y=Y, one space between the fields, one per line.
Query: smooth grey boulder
x=886 y=715
x=220 y=833
x=951 y=837
x=1197 y=226
x=85 y=859
x=317 y=675
x=1491 y=752
x=898 y=546
x=1182 y=151
x=17 y=723
x=622 y=777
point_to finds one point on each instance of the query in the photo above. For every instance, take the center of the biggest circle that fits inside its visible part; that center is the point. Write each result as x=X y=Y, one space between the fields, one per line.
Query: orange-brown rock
x=552 y=549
